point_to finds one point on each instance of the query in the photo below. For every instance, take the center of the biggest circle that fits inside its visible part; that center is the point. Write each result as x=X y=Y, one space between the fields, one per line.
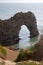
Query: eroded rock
x=9 y=29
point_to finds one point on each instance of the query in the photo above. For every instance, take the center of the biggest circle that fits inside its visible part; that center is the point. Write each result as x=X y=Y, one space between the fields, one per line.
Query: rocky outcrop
x=9 y=29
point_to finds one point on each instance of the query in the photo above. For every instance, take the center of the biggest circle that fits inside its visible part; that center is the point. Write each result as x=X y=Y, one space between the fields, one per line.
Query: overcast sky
x=22 y=1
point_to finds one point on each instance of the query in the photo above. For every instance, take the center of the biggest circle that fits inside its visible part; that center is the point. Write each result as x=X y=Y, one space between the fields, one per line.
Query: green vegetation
x=28 y=63
x=2 y=52
x=24 y=54
x=32 y=63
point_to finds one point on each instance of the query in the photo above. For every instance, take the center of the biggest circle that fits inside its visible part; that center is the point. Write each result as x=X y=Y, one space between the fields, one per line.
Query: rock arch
x=9 y=29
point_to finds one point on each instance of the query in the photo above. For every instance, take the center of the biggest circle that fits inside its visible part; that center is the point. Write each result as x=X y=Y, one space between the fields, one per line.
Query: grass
x=23 y=55
x=30 y=63
x=27 y=63
x=2 y=52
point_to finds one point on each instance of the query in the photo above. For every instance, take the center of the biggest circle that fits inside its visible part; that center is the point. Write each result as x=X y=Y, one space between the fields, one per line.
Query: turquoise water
x=25 y=41
x=7 y=10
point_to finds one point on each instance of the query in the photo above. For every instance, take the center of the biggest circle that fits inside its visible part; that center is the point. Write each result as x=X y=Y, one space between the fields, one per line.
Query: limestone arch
x=9 y=29
x=27 y=19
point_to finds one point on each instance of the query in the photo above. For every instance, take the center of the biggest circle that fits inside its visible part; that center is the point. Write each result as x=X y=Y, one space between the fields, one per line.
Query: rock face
x=37 y=55
x=9 y=29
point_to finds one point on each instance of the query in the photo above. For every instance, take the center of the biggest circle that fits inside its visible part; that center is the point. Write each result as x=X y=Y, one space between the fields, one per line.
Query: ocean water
x=8 y=10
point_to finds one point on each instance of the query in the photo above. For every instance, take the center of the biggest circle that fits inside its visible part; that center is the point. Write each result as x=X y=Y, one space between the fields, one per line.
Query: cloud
x=22 y=1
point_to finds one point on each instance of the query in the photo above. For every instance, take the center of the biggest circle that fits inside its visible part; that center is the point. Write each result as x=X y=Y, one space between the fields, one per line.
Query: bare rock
x=9 y=29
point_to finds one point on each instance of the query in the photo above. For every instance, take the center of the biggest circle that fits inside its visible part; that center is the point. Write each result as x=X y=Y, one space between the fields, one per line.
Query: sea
x=8 y=10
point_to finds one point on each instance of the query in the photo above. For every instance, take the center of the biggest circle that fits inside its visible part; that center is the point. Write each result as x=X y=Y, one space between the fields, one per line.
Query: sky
x=22 y=1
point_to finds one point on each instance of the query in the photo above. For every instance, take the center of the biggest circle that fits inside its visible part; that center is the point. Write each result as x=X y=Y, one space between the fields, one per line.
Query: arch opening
x=24 y=32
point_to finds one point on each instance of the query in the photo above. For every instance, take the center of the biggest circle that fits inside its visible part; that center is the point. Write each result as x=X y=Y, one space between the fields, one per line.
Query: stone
x=9 y=29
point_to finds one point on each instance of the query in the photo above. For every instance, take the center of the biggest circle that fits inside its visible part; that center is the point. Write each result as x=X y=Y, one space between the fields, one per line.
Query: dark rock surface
x=9 y=29
x=37 y=55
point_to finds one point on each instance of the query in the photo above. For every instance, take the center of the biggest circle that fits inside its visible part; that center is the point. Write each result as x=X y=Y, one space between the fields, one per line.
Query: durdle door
x=9 y=29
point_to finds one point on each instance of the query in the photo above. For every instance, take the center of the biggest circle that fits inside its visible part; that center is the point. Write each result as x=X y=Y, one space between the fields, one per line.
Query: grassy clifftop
x=2 y=52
